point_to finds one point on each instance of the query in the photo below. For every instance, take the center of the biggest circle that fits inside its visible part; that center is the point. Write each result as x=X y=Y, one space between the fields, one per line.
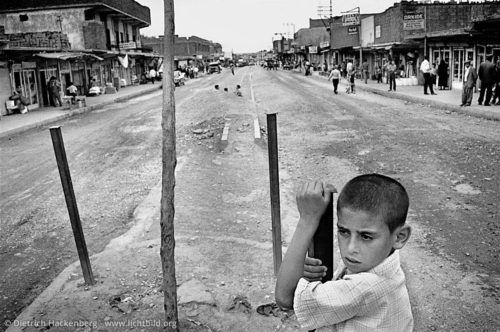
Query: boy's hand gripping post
x=321 y=246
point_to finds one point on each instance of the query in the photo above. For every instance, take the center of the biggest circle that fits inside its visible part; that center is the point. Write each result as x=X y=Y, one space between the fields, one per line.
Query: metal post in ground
x=272 y=148
x=69 y=194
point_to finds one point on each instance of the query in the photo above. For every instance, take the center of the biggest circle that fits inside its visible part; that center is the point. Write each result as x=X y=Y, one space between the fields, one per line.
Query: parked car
x=179 y=78
x=214 y=67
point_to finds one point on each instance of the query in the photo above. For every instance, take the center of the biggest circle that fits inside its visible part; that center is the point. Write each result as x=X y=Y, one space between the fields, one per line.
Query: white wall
x=367 y=31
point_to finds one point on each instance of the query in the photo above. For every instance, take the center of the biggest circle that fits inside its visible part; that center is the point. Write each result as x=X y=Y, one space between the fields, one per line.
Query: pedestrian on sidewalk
x=487 y=76
x=368 y=289
x=391 y=75
x=470 y=78
x=72 y=89
x=366 y=71
x=496 y=95
x=335 y=77
x=152 y=75
x=443 y=75
x=378 y=72
x=351 y=73
x=54 y=92
x=425 y=68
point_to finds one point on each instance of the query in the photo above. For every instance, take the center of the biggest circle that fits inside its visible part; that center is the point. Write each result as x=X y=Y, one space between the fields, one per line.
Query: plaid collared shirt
x=376 y=300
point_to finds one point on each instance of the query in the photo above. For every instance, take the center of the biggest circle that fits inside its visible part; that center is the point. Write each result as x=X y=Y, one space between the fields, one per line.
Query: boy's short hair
x=378 y=195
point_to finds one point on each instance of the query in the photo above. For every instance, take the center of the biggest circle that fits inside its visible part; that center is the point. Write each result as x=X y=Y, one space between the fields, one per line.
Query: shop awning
x=67 y=55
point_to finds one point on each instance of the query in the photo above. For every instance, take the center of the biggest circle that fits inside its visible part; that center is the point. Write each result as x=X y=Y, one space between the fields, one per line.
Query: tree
x=169 y=161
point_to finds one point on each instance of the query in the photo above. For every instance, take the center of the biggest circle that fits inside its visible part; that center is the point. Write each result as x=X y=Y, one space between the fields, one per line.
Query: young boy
x=368 y=291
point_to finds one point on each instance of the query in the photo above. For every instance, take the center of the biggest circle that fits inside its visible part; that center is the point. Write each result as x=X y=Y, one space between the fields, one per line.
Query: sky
x=245 y=26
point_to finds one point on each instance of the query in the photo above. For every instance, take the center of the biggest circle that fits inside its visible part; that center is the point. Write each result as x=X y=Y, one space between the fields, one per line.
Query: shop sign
x=128 y=46
x=324 y=44
x=413 y=20
x=377 y=31
x=349 y=19
x=352 y=30
x=28 y=65
x=313 y=49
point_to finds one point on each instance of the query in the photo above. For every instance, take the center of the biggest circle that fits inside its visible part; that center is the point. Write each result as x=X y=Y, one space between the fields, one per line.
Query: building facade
x=406 y=32
x=89 y=43
x=187 y=50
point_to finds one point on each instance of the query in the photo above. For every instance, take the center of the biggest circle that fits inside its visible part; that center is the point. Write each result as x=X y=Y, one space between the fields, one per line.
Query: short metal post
x=62 y=164
x=272 y=147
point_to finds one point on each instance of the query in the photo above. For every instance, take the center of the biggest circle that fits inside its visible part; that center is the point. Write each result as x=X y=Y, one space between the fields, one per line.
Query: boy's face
x=364 y=239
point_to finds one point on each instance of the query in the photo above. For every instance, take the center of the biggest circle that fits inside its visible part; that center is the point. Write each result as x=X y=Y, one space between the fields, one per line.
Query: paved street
x=447 y=162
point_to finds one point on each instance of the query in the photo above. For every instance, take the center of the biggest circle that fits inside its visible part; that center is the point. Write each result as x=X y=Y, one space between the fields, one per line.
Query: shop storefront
x=24 y=80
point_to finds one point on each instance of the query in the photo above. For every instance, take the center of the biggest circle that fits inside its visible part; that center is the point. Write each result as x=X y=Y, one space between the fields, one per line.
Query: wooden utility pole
x=169 y=161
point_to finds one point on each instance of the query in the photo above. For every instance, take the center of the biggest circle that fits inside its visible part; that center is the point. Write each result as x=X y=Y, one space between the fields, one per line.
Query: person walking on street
x=391 y=75
x=335 y=77
x=54 y=92
x=152 y=75
x=425 y=67
x=487 y=76
x=443 y=75
x=366 y=71
x=232 y=68
x=470 y=78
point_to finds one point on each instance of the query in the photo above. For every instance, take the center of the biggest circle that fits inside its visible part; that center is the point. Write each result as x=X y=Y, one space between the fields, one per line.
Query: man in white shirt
x=335 y=77
x=152 y=75
x=425 y=67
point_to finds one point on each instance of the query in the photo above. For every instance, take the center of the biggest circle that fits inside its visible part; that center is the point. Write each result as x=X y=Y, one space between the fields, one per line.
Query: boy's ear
x=402 y=236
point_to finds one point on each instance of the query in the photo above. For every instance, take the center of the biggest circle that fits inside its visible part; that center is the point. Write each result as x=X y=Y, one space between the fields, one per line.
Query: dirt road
x=448 y=163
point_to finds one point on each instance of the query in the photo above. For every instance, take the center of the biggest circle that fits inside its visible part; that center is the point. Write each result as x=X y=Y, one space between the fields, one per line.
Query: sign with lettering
x=324 y=44
x=313 y=49
x=28 y=65
x=352 y=30
x=413 y=20
x=128 y=46
x=349 y=19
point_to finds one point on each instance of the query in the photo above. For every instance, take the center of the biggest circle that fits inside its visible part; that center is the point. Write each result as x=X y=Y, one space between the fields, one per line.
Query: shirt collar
x=387 y=268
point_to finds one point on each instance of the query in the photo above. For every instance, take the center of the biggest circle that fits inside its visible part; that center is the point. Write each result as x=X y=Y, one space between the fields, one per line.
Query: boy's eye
x=343 y=232
x=366 y=237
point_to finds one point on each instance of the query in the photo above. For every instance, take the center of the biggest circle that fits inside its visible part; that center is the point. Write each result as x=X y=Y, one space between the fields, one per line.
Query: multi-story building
x=312 y=43
x=187 y=49
x=87 y=42
x=406 y=32
x=409 y=30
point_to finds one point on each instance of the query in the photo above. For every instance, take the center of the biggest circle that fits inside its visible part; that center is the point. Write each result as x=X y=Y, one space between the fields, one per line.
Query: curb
x=489 y=115
x=484 y=114
x=76 y=112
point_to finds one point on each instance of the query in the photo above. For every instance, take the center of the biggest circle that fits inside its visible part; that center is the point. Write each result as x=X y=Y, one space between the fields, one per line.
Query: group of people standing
x=489 y=74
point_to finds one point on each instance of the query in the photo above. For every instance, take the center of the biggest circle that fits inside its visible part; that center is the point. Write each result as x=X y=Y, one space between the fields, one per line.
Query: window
x=89 y=15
